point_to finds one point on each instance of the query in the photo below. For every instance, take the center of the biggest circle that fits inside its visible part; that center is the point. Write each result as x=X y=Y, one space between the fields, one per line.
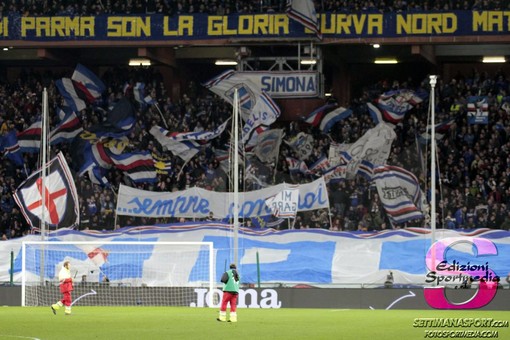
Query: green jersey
x=231 y=280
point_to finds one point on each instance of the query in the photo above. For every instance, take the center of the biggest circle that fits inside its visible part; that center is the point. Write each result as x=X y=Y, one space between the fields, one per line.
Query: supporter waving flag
x=320 y=165
x=303 y=11
x=60 y=205
x=90 y=157
x=268 y=146
x=255 y=105
x=73 y=98
x=183 y=149
x=374 y=146
x=198 y=136
x=10 y=147
x=334 y=117
x=29 y=140
x=478 y=111
x=393 y=105
x=296 y=165
x=88 y=83
x=400 y=193
x=139 y=166
x=118 y=121
x=66 y=130
x=315 y=117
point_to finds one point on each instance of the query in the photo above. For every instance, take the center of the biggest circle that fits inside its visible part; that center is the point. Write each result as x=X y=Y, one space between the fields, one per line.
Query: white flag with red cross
x=59 y=208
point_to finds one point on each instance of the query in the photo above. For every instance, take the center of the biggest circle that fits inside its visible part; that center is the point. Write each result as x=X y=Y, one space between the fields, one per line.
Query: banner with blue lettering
x=197 y=202
x=312 y=256
x=251 y=26
x=285 y=84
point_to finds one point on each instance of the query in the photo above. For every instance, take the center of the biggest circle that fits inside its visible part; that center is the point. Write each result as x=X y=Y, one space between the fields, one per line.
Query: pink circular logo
x=441 y=271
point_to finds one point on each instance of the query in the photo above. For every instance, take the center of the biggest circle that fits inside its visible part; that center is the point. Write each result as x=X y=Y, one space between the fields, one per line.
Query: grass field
x=153 y=323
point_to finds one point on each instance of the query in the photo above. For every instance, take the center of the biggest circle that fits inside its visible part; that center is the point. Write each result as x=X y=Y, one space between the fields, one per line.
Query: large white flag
x=374 y=146
x=54 y=197
x=268 y=145
x=256 y=106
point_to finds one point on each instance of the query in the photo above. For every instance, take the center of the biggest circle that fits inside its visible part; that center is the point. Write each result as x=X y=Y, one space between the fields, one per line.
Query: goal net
x=119 y=273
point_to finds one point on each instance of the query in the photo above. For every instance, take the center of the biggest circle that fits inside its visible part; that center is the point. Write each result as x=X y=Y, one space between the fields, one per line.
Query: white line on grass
x=17 y=336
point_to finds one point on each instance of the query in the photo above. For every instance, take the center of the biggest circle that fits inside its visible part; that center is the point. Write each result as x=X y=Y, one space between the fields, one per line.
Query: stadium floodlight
x=308 y=61
x=385 y=61
x=494 y=60
x=139 y=62
x=119 y=273
x=227 y=62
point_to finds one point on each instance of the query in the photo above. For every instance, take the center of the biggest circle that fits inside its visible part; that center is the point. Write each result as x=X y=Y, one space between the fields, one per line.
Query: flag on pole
x=72 y=98
x=60 y=208
x=478 y=112
x=184 y=149
x=29 y=140
x=374 y=146
x=314 y=118
x=255 y=105
x=268 y=145
x=138 y=166
x=68 y=128
x=400 y=193
x=334 y=117
x=393 y=105
x=88 y=82
x=303 y=11
x=296 y=165
x=10 y=147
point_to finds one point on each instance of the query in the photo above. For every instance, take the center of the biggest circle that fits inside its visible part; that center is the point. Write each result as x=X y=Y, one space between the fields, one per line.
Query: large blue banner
x=312 y=256
x=158 y=27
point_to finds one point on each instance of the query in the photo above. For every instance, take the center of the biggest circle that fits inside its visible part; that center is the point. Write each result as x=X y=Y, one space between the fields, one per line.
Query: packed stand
x=226 y=7
x=474 y=171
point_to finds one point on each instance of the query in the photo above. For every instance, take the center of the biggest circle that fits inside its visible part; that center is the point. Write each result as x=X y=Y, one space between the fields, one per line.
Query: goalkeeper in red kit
x=230 y=281
x=66 y=287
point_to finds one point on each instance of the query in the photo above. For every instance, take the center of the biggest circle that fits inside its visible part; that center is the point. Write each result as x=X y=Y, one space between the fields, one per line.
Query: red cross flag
x=60 y=205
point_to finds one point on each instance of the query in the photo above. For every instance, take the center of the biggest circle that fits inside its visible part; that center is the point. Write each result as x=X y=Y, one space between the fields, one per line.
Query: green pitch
x=154 y=323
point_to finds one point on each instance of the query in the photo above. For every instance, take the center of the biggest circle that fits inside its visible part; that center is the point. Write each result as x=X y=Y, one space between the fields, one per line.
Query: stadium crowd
x=226 y=7
x=474 y=167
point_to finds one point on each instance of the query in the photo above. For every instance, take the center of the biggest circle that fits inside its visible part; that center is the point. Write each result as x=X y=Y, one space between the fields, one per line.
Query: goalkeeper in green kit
x=230 y=281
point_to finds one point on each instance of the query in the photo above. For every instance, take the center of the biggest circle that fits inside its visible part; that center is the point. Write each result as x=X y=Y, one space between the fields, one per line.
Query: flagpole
x=161 y=114
x=433 y=81
x=236 y=176
x=44 y=157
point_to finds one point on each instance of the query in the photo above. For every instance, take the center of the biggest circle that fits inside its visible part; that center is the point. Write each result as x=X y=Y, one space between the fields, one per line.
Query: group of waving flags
x=398 y=188
x=99 y=148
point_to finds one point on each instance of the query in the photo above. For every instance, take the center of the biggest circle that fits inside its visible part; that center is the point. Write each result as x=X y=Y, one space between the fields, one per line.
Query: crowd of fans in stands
x=474 y=176
x=226 y=7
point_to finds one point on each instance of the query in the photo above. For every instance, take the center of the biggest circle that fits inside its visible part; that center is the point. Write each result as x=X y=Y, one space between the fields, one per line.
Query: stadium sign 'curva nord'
x=255 y=26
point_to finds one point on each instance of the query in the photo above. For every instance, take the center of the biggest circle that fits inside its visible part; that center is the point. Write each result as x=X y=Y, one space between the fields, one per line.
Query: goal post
x=119 y=273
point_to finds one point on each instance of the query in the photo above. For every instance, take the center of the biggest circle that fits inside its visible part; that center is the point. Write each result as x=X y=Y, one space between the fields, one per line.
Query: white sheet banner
x=285 y=203
x=198 y=202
